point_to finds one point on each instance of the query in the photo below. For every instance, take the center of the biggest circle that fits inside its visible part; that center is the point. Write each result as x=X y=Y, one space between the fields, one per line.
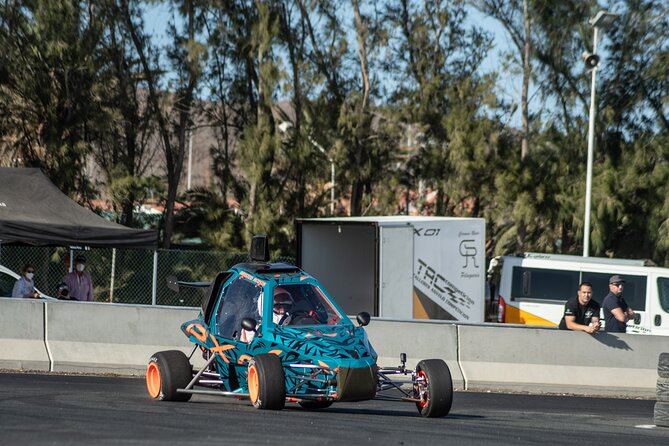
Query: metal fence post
x=155 y=277
x=113 y=275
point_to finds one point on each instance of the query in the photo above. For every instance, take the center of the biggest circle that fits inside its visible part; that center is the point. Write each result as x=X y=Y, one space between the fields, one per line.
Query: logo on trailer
x=467 y=250
x=429 y=232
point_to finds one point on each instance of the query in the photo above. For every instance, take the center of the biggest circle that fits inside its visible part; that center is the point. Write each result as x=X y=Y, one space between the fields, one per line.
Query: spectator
x=616 y=310
x=79 y=282
x=581 y=313
x=24 y=286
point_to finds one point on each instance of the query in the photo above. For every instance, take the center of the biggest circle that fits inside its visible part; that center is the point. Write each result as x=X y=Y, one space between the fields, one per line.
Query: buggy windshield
x=307 y=305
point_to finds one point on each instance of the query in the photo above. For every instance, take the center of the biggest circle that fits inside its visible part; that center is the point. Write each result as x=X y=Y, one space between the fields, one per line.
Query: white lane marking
x=646 y=426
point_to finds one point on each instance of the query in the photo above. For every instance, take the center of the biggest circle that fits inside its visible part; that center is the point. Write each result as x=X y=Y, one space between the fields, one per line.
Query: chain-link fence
x=127 y=275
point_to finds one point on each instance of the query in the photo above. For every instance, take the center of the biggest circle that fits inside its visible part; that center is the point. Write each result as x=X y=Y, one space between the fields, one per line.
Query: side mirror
x=637 y=318
x=363 y=318
x=249 y=324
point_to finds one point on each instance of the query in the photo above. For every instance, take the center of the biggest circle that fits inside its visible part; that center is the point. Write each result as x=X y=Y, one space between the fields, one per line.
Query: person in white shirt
x=25 y=286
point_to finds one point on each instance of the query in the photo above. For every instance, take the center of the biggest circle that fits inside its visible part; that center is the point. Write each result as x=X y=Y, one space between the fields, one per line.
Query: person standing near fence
x=79 y=281
x=24 y=286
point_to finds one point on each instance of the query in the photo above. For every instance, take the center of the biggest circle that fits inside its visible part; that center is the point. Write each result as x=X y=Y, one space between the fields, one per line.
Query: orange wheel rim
x=153 y=380
x=253 y=383
x=422 y=389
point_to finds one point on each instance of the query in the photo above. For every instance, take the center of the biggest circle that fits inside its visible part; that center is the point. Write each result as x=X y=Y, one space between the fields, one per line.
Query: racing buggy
x=270 y=333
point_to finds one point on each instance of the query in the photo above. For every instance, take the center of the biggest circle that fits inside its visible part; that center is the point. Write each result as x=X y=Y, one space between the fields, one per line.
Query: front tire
x=434 y=388
x=166 y=372
x=266 y=382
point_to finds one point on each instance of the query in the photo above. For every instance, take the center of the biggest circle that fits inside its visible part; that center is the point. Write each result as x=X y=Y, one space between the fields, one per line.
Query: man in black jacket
x=581 y=313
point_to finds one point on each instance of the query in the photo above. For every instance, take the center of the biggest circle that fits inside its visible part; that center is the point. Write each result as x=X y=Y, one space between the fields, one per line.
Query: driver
x=283 y=305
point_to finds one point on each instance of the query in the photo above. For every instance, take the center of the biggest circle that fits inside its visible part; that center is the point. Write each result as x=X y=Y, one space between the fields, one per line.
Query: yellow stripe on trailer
x=515 y=315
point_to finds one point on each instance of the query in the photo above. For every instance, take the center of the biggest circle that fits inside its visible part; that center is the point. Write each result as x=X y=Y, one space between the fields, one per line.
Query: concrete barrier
x=545 y=360
x=419 y=340
x=22 y=335
x=103 y=338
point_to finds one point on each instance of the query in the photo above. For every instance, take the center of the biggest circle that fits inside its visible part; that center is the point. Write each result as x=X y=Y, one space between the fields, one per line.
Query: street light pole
x=591 y=148
x=190 y=157
x=332 y=173
x=602 y=20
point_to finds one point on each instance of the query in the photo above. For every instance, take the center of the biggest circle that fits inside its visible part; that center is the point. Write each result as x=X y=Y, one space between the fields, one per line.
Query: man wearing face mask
x=79 y=281
x=25 y=287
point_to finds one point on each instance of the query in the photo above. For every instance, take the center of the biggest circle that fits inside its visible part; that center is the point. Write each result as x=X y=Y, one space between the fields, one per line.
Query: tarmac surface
x=76 y=409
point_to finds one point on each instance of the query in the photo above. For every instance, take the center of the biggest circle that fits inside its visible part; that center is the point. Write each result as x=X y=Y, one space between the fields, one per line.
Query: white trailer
x=398 y=266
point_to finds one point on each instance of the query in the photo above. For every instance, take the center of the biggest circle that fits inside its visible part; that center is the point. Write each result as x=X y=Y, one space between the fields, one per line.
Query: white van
x=534 y=288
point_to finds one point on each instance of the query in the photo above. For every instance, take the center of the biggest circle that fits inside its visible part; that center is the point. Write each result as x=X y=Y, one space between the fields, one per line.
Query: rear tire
x=266 y=382
x=315 y=405
x=435 y=390
x=166 y=372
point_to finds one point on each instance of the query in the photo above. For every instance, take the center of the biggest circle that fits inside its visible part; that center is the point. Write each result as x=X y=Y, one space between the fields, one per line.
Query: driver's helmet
x=283 y=301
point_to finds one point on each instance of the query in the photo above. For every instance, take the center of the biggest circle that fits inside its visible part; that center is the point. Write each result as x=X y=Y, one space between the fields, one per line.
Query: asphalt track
x=61 y=409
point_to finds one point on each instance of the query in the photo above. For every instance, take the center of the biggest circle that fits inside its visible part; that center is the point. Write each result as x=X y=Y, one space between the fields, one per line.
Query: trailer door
x=343 y=258
x=396 y=272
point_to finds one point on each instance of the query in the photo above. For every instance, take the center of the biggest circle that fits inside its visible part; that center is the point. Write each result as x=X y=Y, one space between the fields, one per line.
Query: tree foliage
x=394 y=93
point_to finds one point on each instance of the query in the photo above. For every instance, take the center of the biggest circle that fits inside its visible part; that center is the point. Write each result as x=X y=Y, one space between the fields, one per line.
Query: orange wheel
x=266 y=382
x=153 y=383
x=253 y=384
x=166 y=373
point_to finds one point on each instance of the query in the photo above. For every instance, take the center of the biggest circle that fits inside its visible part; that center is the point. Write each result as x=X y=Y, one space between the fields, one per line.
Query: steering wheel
x=303 y=317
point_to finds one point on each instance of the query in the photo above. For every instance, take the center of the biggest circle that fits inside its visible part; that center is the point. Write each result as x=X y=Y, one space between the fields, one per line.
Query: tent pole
x=113 y=275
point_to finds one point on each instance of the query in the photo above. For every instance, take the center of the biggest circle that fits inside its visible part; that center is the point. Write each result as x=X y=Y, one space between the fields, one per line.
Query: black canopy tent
x=34 y=211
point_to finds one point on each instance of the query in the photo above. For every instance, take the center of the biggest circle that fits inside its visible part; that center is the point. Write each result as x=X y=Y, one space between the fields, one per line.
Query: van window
x=663 y=292
x=634 y=291
x=546 y=284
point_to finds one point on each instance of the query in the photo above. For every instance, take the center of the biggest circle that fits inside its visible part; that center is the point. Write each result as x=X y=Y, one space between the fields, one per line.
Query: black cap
x=616 y=279
x=80 y=259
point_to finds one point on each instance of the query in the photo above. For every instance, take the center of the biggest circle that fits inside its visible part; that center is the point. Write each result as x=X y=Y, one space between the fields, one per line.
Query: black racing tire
x=436 y=390
x=662 y=390
x=663 y=365
x=266 y=382
x=661 y=414
x=315 y=405
x=166 y=372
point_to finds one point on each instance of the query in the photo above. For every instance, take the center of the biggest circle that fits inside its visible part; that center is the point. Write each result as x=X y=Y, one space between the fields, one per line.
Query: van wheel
x=434 y=388
x=266 y=382
x=663 y=365
x=166 y=372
